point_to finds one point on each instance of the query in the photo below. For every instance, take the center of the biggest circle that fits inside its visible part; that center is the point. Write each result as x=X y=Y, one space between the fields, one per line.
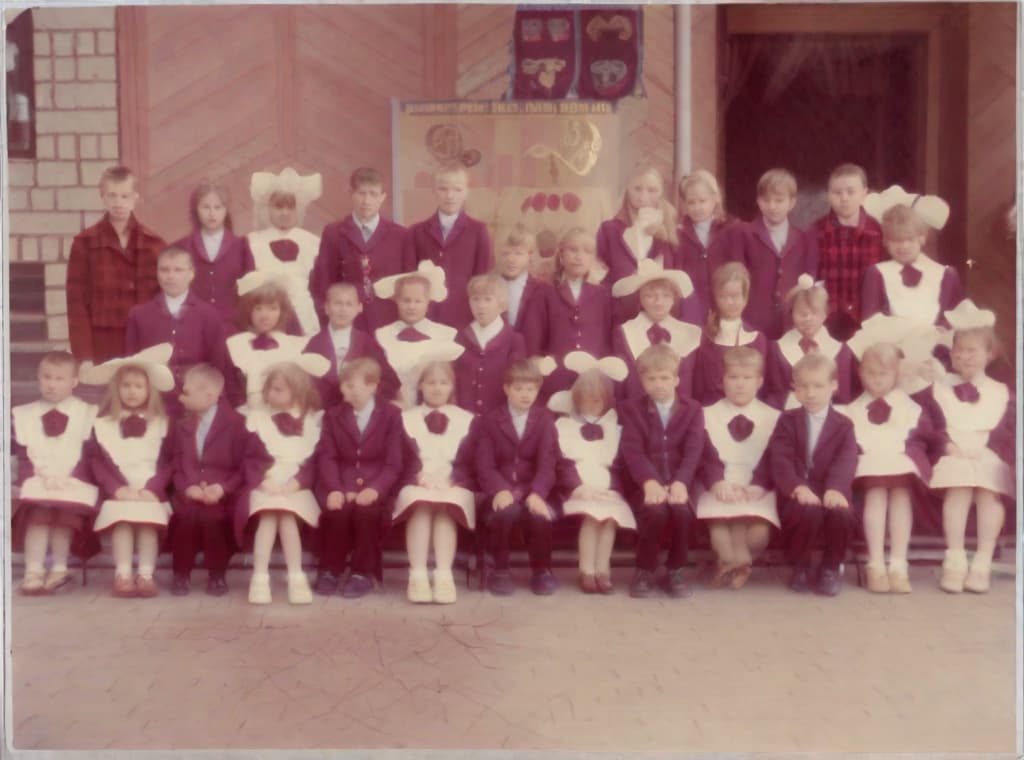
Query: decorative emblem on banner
x=609 y=53
x=578 y=148
x=545 y=54
x=444 y=142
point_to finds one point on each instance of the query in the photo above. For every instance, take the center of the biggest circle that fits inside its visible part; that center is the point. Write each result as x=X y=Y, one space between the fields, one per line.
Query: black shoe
x=675 y=586
x=216 y=585
x=499 y=583
x=357 y=586
x=543 y=583
x=799 y=582
x=829 y=582
x=326 y=583
x=180 y=585
x=642 y=585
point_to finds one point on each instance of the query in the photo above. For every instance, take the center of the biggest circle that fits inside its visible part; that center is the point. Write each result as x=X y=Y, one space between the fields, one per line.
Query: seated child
x=659 y=290
x=739 y=500
x=589 y=470
x=209 y=445
x=56 y=493
x=359 y=462
x=515 y=460
x=813 y=459
x=490 y=345
x=524 y=290
x=662 y=441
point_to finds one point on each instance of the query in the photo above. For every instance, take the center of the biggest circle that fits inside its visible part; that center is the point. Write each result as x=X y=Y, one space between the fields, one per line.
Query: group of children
x=753 y=377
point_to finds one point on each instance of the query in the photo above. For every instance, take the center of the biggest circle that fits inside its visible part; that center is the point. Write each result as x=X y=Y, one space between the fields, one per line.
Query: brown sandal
x=145 y=587
x=124 y=587
x=588 y=583
x=739 y=577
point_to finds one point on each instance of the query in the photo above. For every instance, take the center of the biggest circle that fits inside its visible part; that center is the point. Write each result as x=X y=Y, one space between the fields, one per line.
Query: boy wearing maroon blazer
x=339 y=342
x=524 y=291
x=516 y=454
x=454 y=241
x=111 y=268
x=179 y=317
x=359 y=462
x=209 y=448
x=360 y=249
x=662 y=443
x=490 y=346
x=813 y=459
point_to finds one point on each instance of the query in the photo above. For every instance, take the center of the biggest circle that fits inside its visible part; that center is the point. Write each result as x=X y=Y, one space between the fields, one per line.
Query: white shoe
x=444 y=587
x=954 y=571
x=299 y=591
x=418 y=591
x=259 y=589
x=979 y=579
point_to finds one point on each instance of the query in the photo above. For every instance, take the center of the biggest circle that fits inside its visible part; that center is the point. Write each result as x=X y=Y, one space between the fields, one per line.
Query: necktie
x=263 y=342
x=412 y=335
x=740 y=427
x=910 y=276
x=967 y=393
x=54 y=423
x=591 y=431
x=437 y=422
x=808 y=344
x=367 y=232
x=287 y=425
x=658 y=334
x=133 y=426
x=879 y=411
x=285 y=250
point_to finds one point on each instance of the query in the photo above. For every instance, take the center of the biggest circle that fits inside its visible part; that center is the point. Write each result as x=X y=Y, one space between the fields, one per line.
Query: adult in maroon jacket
x=217 y=274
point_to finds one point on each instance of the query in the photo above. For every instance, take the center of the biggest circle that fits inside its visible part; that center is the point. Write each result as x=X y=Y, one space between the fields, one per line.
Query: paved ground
x=759 y=670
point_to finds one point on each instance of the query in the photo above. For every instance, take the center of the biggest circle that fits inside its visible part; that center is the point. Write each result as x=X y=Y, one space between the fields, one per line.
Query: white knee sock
x=291 y=542
x=60 y=546
x=36 y=537
x=605 y=544
x=122 y=545
x=445 y=537
x=588 y=546
x=990 y=522
x=955 y=506
x=147 y=545
x=901 y=519
x=263 y=543
x=875 y=506
x=417 y=539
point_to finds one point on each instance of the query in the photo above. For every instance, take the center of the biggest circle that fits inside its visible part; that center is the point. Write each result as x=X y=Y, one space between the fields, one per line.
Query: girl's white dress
x=593 y=460
x=137 y=460
x=289 y=452
x=883 y=446
x=252 y=362
x=295 y=272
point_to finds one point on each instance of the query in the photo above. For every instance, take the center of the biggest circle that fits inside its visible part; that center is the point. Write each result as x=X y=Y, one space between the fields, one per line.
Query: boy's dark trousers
x=200 y=525
x=651 y=522
x=500 y=524
x=804 y=527
x=354 y=528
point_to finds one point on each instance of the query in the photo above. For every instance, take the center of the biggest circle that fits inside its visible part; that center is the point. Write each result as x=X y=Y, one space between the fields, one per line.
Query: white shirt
x=211 y=242
x=363 y=416
x=174 y=304
x=703 y=231
x=664 y=411
x=516 y=288
x=203 y=428
x=815 y=422
x=518 y=419
x=341 y=339
x=447 y=222
x=778 y=233
x=485 y=334
x=370 y=225
x=575 y=286
x=729 y=332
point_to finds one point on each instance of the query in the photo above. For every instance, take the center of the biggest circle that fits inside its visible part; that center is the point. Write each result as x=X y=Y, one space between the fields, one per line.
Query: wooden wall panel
x=483 y=50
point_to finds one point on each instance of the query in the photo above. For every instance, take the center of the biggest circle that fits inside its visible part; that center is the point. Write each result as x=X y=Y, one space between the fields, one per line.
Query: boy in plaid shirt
x=849 y=242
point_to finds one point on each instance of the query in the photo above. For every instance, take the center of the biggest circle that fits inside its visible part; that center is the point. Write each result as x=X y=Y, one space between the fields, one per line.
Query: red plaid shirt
x=845 y=253
x=105 y=281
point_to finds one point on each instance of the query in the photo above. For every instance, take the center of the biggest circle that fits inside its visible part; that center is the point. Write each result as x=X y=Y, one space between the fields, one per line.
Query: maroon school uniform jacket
x=664 y=454
x=504 y=462
x=349 y=462
x=833 y=462
x=772 y=274
x=223 y=454
x=699 y=262
x=532 y=319
x=362 y=346
x=344 y=257
x=479 y=372
x=108 y=478
x=778 y=380
x=709 y=367
x=216 y=282
x=912 y=301
x=104 y=283
x=465 y=253
x=533 y=294
x=621 y=262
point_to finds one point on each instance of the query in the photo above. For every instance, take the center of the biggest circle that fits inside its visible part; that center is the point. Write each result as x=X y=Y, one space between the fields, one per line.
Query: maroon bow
x=910 y=276
x=412 y=335
x=54 y=423
x=740 y=427
x=591 y=431
x=437 y=422
x=285 y=250
x=263 y=342
x=967 y=393
x=133 y=426
x=658 y=334
x=879 y=411
x=286 y=424
x=808 y=344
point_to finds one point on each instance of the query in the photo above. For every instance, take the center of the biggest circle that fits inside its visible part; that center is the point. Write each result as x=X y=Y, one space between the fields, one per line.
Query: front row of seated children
x=653 y=463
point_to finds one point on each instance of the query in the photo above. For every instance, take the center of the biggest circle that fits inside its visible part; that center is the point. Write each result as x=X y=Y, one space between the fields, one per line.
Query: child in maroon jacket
x=209 y=446
x=359 y=462
x=516 y=454
x=662 y=441
x=814 y=458
x=525 y=292
x=702 y=236
x=454 y=241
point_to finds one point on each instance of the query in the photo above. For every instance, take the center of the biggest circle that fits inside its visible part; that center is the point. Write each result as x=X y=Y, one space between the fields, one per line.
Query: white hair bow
x=931 y=209
x=153 y=361
x=611 y=367
x=967 y=315
x=385 y=286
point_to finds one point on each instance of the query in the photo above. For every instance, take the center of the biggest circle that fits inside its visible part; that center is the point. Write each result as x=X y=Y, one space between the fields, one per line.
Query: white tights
x=430 y=521
x=739 y=542
x=126 y=538
x=595 y=546
x=896 y=503
x=270 y=526
x=37 y=535
x=955 y=507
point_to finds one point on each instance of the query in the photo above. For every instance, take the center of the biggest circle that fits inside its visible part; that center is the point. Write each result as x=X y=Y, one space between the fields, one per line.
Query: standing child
x=490 y=345
x=525 y=292
x=589 y=470
x=701 y=240
x=813 y=460
x=362 y=248
x=775 y=252
x=739 y=500
x=55 y=488
x=359 y=461
x=219 y=257
x=977 y=414
x=849 y=243
x=725 y=328
x=111 y=268
x=278 y=244
x=455 y=242
x=807 y=309
x=209 y=449
x=662 y=441
x=279 y=474
x=515 y=460
x=130 y=458
x=892 y=436
x=438 y=493
x=660 y=290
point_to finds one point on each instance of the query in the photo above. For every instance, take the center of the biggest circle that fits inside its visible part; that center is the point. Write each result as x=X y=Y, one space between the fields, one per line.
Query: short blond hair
x=886 y=354
x=518 y=236
x=411 y=279
x=814 y=362
x=849 y=170
x=522 y=371
x=451 y=171
x=118 y=173
x=341 y=287
x=488 y=285
x=777 y=181
x=744 y=356
x=657 y=358
x=366 y=367
x=206 y=373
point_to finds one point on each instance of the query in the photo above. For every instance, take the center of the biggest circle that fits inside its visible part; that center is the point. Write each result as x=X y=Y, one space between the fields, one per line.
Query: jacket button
x=359 y=481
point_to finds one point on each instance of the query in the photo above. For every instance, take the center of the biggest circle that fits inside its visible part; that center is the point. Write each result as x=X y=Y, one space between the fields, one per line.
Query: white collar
x=174 y=304
x=340 y=335
x=704 y=226
x=422 y=326
x=206 y=418
x=366 y=411
x=484 y=335
x=371 y=223
x=664 y=406
x=519 y=280
x=447 y=220
x=733 y=409
x=783 y=225
x=218 y=235
x=516 y=413
x=818 y=416
x=575 y=286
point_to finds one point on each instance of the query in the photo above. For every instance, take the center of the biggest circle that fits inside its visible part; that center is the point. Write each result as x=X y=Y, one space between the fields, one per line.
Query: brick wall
x=55 y=195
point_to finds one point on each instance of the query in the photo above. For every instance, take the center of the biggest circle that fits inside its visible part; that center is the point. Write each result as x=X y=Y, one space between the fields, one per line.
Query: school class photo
x=670 y=317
